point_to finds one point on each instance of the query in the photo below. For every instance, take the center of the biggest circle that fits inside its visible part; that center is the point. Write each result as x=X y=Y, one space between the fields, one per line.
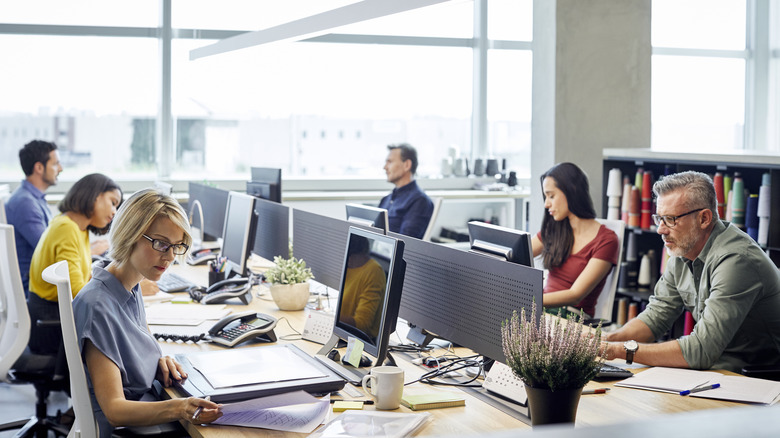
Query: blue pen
x=700 y=388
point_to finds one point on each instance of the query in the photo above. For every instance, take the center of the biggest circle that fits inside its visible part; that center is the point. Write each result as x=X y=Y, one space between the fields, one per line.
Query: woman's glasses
x=163 y=246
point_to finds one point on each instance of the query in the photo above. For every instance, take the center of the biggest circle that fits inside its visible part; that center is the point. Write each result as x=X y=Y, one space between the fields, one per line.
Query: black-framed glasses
x=163 y=246
x=671 y=221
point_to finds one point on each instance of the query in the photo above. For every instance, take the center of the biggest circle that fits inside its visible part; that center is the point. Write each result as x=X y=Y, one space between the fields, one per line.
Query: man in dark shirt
x=409 y=209
x=27 y=209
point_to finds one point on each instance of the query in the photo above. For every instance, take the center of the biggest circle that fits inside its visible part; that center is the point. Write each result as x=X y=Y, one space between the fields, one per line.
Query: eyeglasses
x=671 y=221
x=163 y=246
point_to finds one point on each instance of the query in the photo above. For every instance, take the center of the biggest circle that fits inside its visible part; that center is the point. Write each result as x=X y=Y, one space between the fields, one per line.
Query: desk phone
x=240 y=327
x=201 y=256
x=236 y=287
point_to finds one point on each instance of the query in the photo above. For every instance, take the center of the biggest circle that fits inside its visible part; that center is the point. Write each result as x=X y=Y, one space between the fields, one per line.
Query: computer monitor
x=366 y=215
x=272 y=236
x=239 y=234
x=370 y=293
x=500 y=242
x=266 y=183
x=213 y=204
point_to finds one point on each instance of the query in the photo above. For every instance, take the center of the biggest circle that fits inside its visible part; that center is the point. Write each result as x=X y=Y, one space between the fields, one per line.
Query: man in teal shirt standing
x=715 y=271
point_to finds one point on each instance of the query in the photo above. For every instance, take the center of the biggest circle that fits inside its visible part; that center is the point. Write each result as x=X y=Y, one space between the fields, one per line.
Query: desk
x=476 y=418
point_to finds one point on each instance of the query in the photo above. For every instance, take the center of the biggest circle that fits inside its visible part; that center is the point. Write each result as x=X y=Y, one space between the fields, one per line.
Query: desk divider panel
x=464 y=297
x=321 y=241
x=273 y=229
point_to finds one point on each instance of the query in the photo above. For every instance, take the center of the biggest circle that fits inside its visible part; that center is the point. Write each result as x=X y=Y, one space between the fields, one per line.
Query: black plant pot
x=552 y=407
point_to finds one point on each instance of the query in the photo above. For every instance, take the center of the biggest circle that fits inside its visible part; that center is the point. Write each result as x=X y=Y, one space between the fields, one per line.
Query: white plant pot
x=290 y=296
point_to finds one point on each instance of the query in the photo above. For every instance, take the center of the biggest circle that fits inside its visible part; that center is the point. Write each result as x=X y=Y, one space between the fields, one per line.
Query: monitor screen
x=500 y=242
x=239 y=234
x=370 y=292
x=366 y=215
x=272 y=237
x=213 y=203
x=266 y=183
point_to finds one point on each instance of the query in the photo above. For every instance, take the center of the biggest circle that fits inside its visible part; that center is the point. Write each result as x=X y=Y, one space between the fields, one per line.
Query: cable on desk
x=410 y=348
x=176 y=338
x=297 y=336
x=455 y=365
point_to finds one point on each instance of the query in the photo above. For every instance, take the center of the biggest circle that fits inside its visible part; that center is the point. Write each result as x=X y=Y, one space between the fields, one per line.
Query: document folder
x=262 y=378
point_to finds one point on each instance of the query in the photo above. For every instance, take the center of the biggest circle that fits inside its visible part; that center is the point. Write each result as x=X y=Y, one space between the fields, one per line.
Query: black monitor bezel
x=503 y=243
x=248 y=233
x=392 y=302
x=266 y=183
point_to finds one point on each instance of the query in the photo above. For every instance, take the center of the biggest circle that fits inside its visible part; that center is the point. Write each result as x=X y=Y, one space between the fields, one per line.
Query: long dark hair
x=82 y=196
x=557 y=236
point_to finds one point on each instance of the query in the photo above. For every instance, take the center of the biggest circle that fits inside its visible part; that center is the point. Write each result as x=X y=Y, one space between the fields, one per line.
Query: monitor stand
x=352 y=375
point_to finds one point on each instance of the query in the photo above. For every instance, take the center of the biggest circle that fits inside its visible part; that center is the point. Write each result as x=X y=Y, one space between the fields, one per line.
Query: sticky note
x=354 y=351
x=181 y=300
x=341 y=406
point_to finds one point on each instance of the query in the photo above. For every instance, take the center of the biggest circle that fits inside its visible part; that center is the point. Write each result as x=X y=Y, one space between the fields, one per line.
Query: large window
x=714 y=85
x=324 y=108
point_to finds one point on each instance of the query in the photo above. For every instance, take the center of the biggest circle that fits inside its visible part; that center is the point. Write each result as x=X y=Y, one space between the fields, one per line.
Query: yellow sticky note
x=354 y=351
x=341 y=406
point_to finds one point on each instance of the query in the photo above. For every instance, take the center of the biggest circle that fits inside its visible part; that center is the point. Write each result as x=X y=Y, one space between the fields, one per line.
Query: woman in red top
x=576 y=249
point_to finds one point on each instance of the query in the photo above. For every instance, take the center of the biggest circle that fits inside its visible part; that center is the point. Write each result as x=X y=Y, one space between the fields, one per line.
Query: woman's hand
x=199 y=410
x=169 y=370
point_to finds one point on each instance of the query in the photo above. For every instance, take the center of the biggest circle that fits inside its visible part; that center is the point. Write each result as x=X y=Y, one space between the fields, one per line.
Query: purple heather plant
x=552 y=354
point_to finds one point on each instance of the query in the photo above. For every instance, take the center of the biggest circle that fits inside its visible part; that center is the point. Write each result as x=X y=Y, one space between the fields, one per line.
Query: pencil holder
x=215 y=277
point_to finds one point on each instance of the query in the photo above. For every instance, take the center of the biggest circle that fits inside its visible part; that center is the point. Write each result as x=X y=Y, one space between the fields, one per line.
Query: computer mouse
x=364 y=361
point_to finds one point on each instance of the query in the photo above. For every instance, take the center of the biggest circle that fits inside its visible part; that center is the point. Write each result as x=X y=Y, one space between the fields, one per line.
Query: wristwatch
x=631 y=348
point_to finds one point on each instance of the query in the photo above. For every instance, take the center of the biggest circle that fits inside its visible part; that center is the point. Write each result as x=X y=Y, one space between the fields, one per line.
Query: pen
x=595 y=391
x=199 y=409
x=700 y=388
x=365 y=402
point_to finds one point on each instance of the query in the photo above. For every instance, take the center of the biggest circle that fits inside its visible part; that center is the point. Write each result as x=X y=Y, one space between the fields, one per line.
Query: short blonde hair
x=136 y=216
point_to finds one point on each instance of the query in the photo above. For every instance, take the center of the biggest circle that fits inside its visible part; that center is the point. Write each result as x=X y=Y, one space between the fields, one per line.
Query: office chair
x=17 y=363
x=437 y=200
x=85 y=425
x=606 y=301
x=3 y=218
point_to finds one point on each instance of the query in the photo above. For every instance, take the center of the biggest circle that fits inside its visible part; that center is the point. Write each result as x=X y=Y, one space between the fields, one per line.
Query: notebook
x=432 y=400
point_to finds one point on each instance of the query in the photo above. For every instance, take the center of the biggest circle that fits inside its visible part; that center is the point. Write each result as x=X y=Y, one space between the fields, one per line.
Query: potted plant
x=554 y=360
x=289 y=280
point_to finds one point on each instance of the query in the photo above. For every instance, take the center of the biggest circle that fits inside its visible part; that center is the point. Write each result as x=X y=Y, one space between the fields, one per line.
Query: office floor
x=18 y=401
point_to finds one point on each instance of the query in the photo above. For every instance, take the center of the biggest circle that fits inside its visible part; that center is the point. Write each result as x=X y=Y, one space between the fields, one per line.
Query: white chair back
x=3 y=218
x=85 y=425
x=606 y=300
x=437 y=200
x=14 y=318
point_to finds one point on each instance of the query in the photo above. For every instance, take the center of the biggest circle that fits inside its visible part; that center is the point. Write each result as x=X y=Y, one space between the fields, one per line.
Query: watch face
x=631 y=345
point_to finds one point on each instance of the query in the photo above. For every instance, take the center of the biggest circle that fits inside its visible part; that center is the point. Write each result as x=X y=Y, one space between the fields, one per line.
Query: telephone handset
x=239 y=327
x=201 y=256
x=236 y=287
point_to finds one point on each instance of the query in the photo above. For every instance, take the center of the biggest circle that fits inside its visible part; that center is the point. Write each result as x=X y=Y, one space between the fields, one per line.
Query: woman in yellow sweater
x=89 y=205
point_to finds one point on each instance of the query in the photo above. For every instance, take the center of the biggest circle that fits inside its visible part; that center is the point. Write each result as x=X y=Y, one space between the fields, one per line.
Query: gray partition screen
x=464 y=297
x=273 y=229
x=321 y=241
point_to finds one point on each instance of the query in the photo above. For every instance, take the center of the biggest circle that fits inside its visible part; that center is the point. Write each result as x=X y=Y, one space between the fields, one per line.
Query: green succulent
x=288 y=271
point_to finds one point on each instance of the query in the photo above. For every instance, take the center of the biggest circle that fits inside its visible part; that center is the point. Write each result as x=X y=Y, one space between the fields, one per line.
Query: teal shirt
x=732 y=290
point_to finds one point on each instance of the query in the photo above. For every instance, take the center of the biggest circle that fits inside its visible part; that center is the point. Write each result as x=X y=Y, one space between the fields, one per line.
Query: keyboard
x=170 y=282
x=609 y=372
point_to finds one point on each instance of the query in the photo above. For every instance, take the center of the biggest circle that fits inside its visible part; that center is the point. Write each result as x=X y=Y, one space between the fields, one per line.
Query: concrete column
x=591 y=86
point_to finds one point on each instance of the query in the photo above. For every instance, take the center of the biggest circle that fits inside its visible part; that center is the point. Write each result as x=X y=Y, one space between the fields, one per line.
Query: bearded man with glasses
x=715 y=271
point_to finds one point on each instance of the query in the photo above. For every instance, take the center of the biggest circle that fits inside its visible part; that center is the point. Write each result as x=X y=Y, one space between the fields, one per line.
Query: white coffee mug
x=386 y=386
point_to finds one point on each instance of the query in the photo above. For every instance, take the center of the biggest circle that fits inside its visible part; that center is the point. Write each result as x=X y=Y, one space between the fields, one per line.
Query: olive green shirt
x=732 y=289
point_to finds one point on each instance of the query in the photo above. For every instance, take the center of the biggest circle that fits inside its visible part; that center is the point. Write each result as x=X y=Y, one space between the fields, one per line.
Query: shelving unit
x=751 y=167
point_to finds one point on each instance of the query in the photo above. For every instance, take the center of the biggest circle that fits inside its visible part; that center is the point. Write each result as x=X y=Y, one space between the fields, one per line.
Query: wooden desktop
x=476 y=417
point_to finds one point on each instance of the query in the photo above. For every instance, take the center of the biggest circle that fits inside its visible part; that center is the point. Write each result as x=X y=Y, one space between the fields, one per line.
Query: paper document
x=159 y=297
x=183 y=314
x=743 y=389
x=669 y=379
x=372 y=424
x=248 y=366
x=292 y=412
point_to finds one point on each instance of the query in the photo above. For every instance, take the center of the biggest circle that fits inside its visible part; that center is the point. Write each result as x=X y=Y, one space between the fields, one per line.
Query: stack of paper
x=669 y=379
